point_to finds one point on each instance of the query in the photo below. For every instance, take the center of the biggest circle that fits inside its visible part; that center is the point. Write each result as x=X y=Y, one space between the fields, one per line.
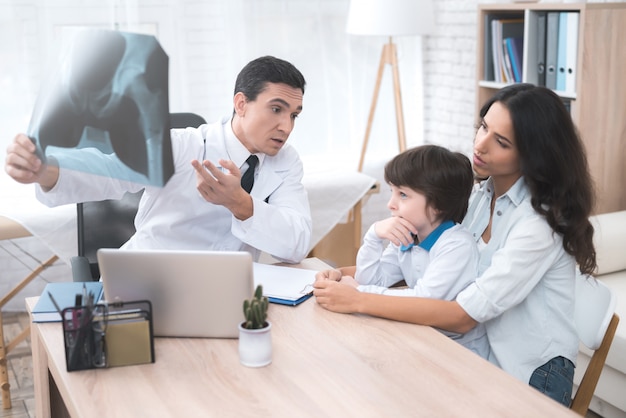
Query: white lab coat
x=177 y=217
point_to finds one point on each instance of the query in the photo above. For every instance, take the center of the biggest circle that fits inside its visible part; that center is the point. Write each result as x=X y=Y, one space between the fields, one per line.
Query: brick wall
x=449 y=76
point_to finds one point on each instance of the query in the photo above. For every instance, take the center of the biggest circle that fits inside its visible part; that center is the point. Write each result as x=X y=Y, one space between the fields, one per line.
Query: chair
x=596 y=323
x=110 y=223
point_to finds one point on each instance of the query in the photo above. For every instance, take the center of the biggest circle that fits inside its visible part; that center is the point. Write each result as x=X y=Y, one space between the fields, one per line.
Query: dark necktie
x=247 y=180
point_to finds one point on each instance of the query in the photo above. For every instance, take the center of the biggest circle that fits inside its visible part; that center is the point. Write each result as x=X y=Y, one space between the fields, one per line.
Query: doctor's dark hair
x=253 y=78
x=554 y=165
x=444 y=177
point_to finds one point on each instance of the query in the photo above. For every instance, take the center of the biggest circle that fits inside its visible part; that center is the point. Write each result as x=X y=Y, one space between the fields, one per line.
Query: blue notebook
x=64 y=294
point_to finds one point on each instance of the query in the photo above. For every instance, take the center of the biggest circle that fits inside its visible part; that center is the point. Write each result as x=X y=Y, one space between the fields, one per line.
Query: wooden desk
x=324 y=365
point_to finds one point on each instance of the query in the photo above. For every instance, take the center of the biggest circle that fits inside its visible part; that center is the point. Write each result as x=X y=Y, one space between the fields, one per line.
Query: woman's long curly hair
x=554 y=165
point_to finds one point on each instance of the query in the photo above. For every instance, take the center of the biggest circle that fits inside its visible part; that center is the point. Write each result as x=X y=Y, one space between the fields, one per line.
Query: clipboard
x=108 y=335
x=284 y=285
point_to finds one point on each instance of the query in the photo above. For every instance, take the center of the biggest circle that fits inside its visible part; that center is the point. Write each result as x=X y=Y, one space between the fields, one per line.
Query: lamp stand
x=388 y=56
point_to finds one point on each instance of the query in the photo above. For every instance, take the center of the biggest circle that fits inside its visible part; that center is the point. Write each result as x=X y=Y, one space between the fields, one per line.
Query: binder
x=541 y=48
x=552 y=38
x=561 y=52
x=571 y=55
x=488 y=73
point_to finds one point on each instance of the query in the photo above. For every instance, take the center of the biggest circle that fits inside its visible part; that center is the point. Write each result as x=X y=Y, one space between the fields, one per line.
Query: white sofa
x=610 y=241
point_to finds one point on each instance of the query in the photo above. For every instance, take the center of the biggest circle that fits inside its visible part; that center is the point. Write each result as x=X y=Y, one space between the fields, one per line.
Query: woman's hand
x=337 y=297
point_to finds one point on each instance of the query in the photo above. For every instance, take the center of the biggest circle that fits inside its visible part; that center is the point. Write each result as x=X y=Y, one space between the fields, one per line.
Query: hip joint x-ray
x=105 y=108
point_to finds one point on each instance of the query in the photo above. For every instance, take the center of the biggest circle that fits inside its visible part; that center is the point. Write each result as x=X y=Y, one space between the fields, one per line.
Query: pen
x=54 y=302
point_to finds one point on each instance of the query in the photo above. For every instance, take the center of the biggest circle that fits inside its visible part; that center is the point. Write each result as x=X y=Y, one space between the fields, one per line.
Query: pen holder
x=108 y=335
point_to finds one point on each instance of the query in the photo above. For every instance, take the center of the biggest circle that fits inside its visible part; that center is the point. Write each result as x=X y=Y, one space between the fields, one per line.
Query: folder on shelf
x=552 y=38
x=541 y=48
x=571 y=55
x=561 y=51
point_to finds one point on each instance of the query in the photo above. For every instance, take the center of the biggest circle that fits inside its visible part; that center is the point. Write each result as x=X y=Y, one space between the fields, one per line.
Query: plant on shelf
x=255 y=310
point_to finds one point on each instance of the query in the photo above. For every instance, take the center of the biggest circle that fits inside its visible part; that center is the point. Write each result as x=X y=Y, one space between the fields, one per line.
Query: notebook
x=60 y=295
x=284 y=285
x=193 y=293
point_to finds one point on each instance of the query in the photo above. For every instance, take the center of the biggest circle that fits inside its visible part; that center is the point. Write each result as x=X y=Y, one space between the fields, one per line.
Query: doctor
x=204 y=205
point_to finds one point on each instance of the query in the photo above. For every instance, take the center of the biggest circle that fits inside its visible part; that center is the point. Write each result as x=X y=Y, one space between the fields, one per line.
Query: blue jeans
x=555 y=379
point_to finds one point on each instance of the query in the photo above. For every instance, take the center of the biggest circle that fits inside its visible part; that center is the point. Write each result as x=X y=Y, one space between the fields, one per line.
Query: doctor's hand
x=223 y=188
x=24 y=166
x=396 y=229
x=336 y=297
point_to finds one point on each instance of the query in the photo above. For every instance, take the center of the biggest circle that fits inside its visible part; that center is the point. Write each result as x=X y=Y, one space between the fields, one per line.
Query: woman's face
x=495 y=149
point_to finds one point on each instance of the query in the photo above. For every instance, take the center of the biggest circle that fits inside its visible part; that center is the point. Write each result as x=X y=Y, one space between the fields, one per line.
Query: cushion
x=609 y=240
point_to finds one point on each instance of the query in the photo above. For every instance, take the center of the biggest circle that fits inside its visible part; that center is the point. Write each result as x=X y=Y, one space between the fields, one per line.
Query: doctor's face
x=264 y=125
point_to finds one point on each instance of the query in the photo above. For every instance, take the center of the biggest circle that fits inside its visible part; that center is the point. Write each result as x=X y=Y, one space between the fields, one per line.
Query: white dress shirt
x=524 y=293
x=176 y=216
x=438 y=268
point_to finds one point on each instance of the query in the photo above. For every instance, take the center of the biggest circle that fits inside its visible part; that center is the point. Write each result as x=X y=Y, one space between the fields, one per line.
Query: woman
x=529 y=217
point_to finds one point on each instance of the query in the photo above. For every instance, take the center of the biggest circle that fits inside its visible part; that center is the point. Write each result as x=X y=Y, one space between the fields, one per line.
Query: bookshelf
x=597 y=99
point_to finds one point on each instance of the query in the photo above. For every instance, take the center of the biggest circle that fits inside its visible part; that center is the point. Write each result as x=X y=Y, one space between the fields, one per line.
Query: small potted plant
x=255 y=338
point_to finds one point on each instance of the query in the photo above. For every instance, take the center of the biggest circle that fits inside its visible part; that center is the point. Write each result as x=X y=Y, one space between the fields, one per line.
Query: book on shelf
x=515 y=46
x=503 y=28
x=507 y=63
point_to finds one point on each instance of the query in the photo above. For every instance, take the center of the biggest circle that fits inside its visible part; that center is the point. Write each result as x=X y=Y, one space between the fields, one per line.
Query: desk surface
x=324 y=364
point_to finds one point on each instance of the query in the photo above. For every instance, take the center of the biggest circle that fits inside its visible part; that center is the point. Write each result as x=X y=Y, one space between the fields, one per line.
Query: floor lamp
x=389 y=18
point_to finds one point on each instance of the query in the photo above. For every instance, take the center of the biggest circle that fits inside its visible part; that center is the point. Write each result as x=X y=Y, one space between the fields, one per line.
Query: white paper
x=281 y=282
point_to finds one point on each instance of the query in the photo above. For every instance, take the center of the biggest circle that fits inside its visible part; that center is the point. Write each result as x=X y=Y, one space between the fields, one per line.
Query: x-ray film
x=105 y=108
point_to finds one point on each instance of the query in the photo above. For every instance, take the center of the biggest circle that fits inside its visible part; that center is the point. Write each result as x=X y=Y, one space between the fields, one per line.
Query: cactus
x=255 y=310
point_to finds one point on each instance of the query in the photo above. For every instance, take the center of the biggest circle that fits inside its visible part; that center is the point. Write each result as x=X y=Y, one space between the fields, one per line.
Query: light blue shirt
x=439 y=267
x=524 y=293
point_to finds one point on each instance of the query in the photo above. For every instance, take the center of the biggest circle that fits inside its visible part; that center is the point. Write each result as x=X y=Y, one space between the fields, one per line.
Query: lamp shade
x=390 y=17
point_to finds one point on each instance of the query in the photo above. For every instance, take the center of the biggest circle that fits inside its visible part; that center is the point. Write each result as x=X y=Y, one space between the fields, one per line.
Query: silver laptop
x=193 y=293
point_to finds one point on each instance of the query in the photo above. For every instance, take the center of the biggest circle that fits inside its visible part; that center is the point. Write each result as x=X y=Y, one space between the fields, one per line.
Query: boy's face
x=412 y=206
x=263 y=125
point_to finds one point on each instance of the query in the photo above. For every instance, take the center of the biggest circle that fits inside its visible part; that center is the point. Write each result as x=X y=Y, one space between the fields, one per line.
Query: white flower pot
x=255 y=346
